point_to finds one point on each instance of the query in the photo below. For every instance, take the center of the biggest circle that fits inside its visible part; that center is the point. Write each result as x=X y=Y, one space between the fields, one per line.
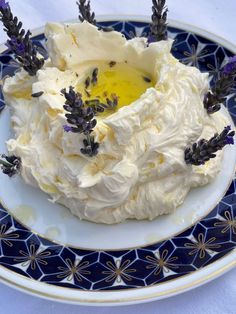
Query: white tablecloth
x=217 y=16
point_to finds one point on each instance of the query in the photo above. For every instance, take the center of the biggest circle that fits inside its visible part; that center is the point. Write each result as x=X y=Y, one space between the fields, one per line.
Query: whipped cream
x=140 y=171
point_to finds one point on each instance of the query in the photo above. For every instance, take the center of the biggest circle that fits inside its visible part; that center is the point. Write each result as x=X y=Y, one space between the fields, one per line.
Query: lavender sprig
x=81 y=120
x=159 y=21
x=217 y=95
x=11 y=165
x=204 y=150
x=87 y=15
x=94 y=79
x=4 y=4
x=19 y=41
x=85 y=12
x=98 y=106
x=90 y=147
x=113 y=102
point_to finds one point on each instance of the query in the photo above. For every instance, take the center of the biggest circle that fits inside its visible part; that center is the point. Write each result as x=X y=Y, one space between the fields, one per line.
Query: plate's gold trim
x=112 y=291
x=154 y=295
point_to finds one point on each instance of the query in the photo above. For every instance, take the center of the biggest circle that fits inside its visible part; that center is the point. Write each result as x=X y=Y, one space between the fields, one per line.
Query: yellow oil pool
x=120 y=79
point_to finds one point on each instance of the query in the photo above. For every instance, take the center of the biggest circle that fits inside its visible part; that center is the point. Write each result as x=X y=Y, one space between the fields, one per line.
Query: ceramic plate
x=46 y=251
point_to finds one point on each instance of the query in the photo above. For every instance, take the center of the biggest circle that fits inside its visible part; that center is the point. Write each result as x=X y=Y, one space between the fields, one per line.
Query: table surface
x=216 y=16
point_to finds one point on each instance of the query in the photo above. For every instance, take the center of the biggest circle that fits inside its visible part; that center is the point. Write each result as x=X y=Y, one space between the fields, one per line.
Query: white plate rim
x=134 y=296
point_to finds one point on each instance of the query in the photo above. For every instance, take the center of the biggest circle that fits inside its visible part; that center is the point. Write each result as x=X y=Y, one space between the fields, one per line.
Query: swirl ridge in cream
x=140 y=172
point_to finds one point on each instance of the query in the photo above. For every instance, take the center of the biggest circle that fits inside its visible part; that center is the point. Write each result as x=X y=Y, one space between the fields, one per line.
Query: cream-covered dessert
x=140 y=171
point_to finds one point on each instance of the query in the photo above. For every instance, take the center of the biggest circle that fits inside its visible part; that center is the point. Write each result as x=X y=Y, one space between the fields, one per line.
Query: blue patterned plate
x=45 y=251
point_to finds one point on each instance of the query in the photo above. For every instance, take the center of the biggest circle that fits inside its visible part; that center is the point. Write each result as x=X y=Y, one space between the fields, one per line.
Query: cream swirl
x=140 y=170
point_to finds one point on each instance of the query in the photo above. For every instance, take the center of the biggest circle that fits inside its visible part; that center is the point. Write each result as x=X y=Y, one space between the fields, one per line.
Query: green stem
x=89 y=140
x=5 y=163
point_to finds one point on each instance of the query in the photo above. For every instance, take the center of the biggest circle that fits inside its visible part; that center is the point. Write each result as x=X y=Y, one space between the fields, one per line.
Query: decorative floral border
x=209 y=240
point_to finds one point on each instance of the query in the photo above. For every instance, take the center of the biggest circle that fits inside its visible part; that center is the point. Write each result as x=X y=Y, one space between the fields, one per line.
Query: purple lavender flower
x=230 y=66
x=19 y=41
x=67 y=128
x=151 y=39
x=10 y=165
x=203 y=150
x=4 y=5
x=85 y=12
x=16 y=46
x=222 y=88
x=229 y=139
x=82 y=120
x=159 y=21
x=90 y=147
x=228 y=128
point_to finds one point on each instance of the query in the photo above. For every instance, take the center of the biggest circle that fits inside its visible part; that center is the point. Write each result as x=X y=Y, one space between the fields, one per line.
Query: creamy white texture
x=140 y=170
